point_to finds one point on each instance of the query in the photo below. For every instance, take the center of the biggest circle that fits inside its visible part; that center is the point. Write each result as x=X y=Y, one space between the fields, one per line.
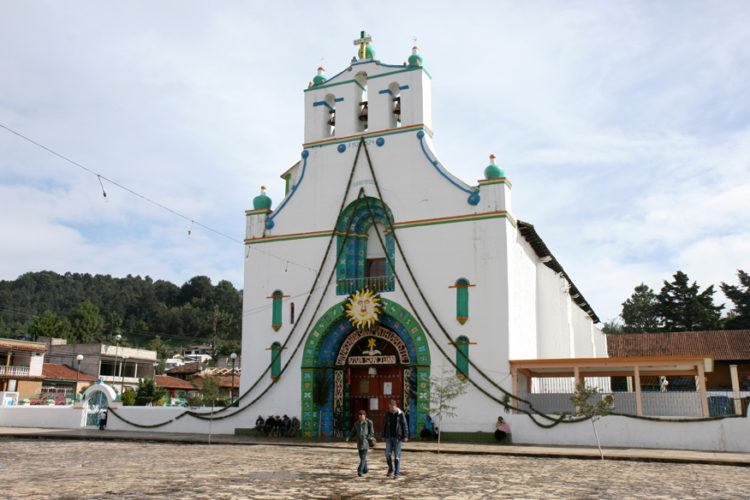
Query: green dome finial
x=320 y=77
x=262 y=201
x=493 y=171
x=415 y=59
x=365 y=51
x=369 y=52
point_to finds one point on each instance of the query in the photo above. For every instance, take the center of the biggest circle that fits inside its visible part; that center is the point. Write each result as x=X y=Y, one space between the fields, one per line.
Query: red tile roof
x=168 y=382
x=51 y=371
x=720 y=344
x=226 y=381
x=187 y=368
x=223 y=381
x=22 y=345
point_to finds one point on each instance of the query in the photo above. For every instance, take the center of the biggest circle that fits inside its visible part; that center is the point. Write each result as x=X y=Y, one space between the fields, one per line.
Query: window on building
x=395 y=105
x=330 y=101
x=363 y=262
x=361 y=79
x=462 y=357
x=275 y=360
x=462 y=286
x=276 y=297
x=109 y=368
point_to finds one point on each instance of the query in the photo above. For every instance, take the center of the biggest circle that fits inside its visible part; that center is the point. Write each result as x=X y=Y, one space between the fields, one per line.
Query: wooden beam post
x=637 y=384
x=702 y=389
x=735 y=389
x=514 y=378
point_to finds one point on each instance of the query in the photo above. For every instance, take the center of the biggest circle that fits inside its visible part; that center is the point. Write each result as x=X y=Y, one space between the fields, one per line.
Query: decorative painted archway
x=96 y=398
x=318 y=366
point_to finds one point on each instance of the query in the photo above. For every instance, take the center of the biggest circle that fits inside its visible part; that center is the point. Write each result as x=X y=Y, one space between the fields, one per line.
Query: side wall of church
x=523 y=307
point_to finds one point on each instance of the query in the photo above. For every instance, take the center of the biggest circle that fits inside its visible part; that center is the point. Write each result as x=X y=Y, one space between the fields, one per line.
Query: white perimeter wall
x=730 y=434
x=51 y=417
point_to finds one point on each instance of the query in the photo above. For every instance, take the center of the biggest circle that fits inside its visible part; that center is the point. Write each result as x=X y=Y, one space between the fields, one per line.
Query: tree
x=149 y=393
x=739 y=316
x=612 y=326
x=639 y=312
x=48 y=324
x=136 y=307
x=86 y=323
x=445 y=388
x=683 y=307
x=113 y=325
x=594 y=411
x=128 y=397
x=158 y=345
x=210 y=390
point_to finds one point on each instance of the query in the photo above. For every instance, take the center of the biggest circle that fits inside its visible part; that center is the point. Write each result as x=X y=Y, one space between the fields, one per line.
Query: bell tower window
x=395 y=105
x=330 y=102
x=361 y=79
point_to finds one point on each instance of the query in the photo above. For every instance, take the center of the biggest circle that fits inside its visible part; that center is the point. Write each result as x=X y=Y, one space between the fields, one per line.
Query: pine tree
x=48 y=324
x=86 y=323
x=739 y=316
x=639 y=312
x=683 y=307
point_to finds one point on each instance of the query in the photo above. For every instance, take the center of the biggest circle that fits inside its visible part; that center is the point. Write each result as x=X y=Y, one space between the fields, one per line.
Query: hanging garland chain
x=532 y=413
x=208 y=416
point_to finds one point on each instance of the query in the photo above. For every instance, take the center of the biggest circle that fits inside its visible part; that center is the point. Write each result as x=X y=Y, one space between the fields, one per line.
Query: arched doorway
x=345 y=369
x=96 y=399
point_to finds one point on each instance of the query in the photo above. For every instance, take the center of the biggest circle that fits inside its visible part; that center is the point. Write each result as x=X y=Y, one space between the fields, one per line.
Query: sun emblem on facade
x=363 y=309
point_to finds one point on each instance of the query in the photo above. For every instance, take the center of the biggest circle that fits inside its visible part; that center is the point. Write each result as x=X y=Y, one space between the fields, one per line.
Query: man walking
x=395 y=430
x=364 y=431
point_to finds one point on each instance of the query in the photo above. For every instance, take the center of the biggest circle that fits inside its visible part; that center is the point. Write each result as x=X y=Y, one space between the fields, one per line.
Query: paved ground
x=636 y=454
x=74 y=468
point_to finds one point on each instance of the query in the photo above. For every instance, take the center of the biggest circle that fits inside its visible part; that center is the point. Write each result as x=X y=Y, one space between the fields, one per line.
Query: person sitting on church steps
x=395 y=431
x=364 y=431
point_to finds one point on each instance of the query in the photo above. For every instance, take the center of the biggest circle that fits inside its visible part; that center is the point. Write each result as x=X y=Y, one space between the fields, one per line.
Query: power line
x=145 y=198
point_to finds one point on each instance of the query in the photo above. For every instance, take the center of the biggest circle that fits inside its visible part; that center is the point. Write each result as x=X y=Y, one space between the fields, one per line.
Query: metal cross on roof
x=362 y=41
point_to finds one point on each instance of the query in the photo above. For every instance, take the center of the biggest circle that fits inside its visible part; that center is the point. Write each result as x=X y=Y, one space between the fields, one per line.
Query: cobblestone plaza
x=74 y=469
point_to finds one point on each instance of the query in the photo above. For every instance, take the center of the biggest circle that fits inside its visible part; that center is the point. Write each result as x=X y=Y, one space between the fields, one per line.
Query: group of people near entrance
x=276 y=426
x=395 y=432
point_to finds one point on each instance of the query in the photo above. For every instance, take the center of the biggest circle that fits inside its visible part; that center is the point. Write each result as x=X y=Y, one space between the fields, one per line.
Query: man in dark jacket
x=364 y=431
x=395 y=431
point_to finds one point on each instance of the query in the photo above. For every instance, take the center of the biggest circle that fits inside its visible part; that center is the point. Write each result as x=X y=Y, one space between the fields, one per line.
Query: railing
x=372 y=283
x=14 y=370
x=654 y=403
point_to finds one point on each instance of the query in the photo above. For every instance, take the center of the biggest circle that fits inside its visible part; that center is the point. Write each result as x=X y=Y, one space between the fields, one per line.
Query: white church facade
x=400 y=269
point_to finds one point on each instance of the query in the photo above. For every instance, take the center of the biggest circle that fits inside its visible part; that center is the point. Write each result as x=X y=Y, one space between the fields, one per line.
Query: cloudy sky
x=624 y=126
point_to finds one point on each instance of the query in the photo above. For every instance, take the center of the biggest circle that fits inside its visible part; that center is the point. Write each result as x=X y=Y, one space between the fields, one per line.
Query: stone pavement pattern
x=49 y=468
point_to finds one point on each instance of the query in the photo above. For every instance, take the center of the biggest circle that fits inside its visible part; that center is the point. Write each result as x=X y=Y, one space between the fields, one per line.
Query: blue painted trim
x=269 y=220
x=338 y=99
x=388 y=91
x=323 y=103
x=473 y=193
